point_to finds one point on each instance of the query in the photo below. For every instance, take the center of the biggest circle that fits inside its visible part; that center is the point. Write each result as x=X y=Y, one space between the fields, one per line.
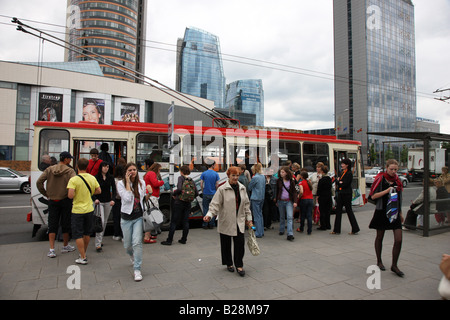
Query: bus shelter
x=431 y=216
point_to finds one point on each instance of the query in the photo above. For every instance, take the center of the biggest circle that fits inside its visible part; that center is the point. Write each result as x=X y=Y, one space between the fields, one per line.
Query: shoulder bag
x=152 y=217
x=98 y=223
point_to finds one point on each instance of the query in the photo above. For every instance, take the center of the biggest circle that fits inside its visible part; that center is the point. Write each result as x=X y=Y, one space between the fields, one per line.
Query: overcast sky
x=290 y=42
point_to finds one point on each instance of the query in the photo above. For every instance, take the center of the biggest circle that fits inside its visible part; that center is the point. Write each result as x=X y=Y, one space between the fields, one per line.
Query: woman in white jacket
x=132 y=190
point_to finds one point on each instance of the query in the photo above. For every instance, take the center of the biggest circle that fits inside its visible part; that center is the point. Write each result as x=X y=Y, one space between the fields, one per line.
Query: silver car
x=11 y=180
x=372 y=173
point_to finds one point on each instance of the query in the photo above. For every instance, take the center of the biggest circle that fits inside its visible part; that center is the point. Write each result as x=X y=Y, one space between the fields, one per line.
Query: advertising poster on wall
x=129 y=112
x=50 y=107
x=93 y=110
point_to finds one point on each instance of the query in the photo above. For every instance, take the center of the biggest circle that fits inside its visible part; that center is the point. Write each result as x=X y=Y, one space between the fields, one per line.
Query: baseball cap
x=65 y=155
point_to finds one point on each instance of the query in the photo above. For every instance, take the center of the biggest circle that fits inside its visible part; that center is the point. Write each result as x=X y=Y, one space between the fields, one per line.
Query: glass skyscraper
x=375 y=69
x=199 y=66
x=245 y=96
x=114 y=29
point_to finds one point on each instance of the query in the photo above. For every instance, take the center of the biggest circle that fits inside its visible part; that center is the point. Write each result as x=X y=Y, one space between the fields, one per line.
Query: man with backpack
x=185 y=193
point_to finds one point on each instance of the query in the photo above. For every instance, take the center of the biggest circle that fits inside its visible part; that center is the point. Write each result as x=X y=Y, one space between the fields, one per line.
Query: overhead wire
x=139 y=76
x=278 y=66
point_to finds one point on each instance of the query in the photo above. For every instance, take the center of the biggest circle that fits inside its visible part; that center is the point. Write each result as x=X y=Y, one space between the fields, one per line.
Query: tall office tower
x=114 y=29
x=375 y=69
x=245 y=97
x=199 y=66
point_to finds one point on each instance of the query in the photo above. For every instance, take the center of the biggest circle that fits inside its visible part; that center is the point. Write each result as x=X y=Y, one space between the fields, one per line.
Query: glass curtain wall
x=201 y=66
x=246 y=96
x=391 y=67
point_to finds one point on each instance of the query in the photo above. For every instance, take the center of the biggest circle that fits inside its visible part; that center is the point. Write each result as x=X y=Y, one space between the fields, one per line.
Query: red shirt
x=307 y=192
x=151 y=179
x=93 y=167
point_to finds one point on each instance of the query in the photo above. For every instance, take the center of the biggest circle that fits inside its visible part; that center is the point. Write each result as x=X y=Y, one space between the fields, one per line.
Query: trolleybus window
x=154 y=147
x=51 y=143
x=212 y=149
x=287 y=150
x=314 y=153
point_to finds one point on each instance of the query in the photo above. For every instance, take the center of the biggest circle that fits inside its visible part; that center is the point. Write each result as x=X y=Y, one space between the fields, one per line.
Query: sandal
x=150 y=241
x=230 y=268
x=332 y=232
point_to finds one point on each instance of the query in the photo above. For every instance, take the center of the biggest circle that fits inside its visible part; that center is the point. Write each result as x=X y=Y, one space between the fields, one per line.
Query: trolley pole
x=170 y=122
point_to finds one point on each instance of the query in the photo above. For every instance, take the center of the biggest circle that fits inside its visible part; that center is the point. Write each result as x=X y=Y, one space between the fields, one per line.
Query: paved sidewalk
x=320 y=266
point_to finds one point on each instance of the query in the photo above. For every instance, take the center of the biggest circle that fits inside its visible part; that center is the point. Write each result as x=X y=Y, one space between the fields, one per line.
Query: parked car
x=405 y=173
x=11 y=180
x=372 y=173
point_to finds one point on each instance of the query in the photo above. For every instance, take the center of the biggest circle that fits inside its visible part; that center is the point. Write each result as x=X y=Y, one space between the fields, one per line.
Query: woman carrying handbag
x=232 y=207
x=132 y=191
x=382 y=186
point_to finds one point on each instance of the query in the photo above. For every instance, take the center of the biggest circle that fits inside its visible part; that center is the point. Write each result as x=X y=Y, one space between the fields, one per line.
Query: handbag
x=252 y=243
x=152 y=217
x=392 y=205
x=98 y=223
x=316 y=214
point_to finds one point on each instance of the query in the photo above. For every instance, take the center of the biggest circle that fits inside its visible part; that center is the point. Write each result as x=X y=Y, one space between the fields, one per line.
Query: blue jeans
x=258 y=220
x=132 y=239
x=306 y=208
x=286 y=209
x=206 y=201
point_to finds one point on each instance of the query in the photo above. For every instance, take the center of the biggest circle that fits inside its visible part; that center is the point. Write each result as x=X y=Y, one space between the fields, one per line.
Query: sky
x=288 y=44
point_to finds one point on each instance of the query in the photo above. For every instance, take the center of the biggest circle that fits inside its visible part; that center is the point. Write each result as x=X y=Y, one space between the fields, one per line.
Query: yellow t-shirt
x=82 y=202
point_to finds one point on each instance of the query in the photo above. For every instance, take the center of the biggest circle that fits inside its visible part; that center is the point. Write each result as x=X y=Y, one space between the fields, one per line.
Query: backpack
x=188 y=190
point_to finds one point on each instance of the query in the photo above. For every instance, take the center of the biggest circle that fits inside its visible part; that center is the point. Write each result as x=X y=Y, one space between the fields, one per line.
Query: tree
x=372 y=154
x=389 y=154
x=404 y=155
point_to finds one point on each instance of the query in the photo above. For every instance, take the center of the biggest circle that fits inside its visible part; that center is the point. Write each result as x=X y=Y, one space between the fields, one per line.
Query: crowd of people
x=250 y=198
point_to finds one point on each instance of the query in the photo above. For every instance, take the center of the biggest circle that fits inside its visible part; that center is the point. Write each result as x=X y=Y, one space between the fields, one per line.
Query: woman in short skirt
x=379 y=193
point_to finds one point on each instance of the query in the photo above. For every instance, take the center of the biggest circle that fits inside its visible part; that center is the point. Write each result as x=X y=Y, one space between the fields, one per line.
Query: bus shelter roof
x=431 y=136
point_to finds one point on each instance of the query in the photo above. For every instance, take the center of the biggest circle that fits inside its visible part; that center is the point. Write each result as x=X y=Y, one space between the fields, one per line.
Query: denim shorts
x=82 y=224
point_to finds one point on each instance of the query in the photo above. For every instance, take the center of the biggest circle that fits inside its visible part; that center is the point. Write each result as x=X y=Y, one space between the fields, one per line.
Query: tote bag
x=392 y=205
x=252 y=243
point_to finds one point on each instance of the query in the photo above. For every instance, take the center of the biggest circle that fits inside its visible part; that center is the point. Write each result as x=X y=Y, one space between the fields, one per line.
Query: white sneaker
x=51 y=253
x=67 y=248
x=81 y=261
x=137 y=275
x=117 y=238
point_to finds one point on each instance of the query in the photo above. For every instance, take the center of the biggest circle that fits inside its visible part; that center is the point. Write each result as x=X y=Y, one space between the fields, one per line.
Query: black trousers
x=239 y=249
x=325 y=211
x=59 y=214
x=181 y=211
x=345 y=200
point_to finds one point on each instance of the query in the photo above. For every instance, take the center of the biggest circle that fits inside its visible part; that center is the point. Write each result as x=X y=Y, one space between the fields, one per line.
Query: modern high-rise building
x=245 y=97
x=199 y=66
x=114 y=29
x=375 y=69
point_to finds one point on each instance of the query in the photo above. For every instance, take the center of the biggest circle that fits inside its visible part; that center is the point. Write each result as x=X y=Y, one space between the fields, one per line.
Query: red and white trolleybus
x=193 y=146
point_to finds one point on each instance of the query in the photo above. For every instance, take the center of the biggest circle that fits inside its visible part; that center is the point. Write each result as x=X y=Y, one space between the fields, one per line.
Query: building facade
x=62 y=96
x=199 y=66
x=245 y=97
x=375 y=69
x=114 y=29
